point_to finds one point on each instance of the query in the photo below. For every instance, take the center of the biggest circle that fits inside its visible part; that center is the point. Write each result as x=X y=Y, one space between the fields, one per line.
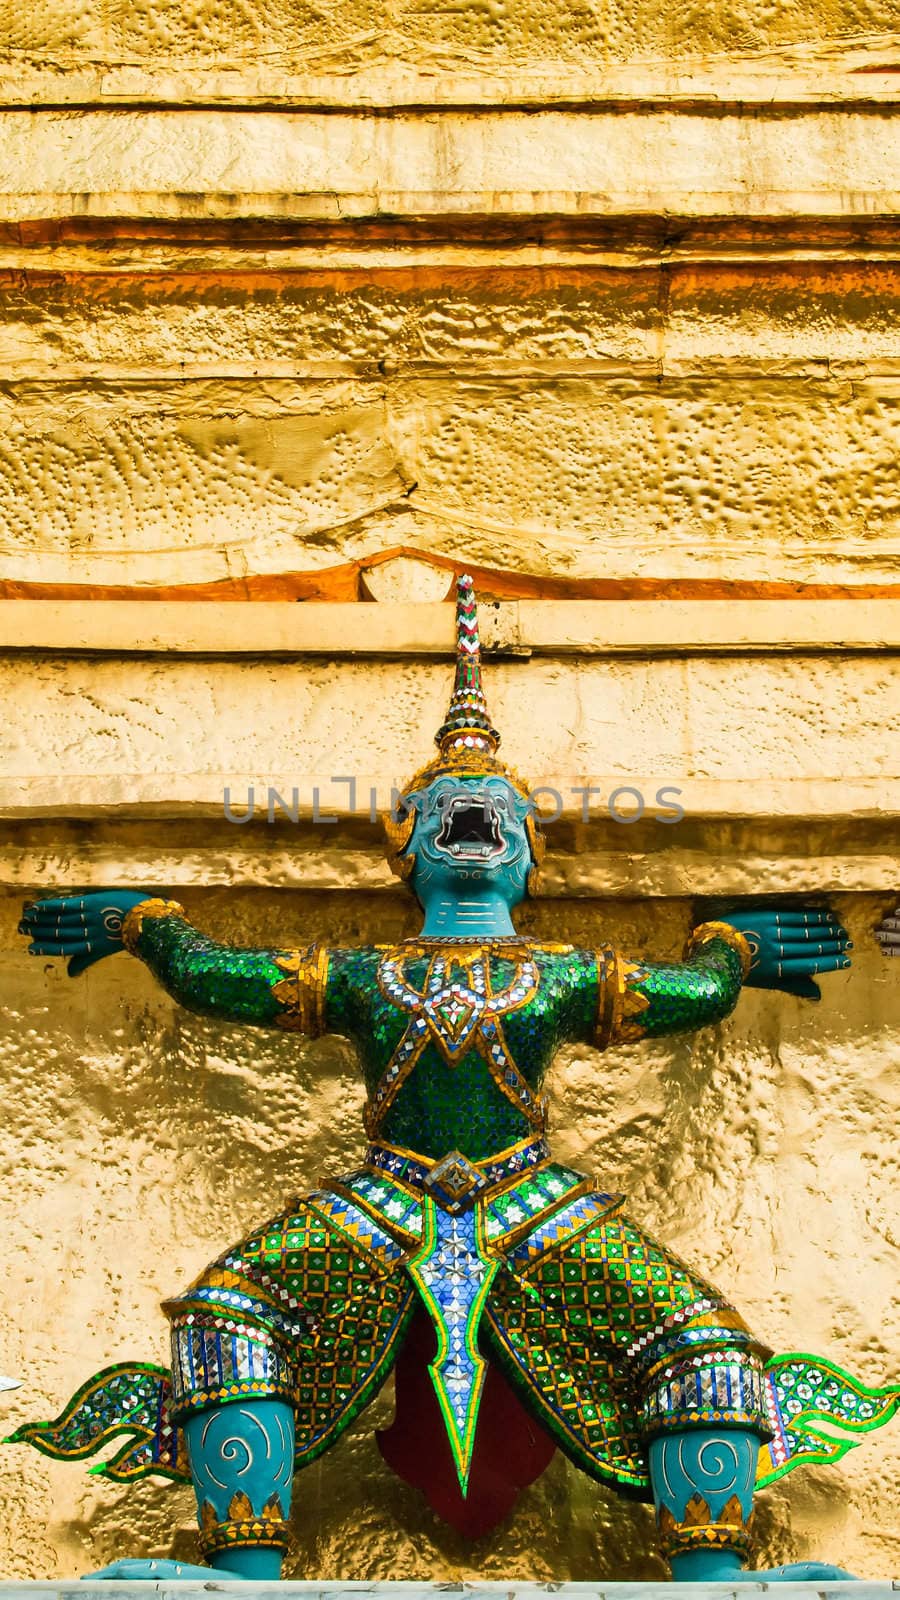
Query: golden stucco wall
x=322 y=303
x=575 y=421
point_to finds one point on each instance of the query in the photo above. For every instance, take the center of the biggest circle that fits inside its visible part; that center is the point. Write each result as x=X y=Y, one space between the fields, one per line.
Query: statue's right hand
x=83 y=927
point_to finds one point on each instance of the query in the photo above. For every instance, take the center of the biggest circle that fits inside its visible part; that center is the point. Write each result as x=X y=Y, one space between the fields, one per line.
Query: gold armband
x=720 y=930
x=619 y=1003
x=302 y=993
x=134 y=921
x=698 y=1529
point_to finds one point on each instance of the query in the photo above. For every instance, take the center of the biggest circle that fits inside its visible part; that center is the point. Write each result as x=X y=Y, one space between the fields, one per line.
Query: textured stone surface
x=692 y=421
x=252 y=317
x=137 y=1140
x=752 y=721
x=577 y=476
x=471 y=32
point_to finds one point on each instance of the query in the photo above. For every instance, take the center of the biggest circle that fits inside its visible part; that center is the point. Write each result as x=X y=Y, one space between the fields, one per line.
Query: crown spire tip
x=467 y=725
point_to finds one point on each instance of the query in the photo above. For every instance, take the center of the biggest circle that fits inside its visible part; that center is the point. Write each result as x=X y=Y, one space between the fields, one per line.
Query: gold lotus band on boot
x=698 y=1530
x=243 y=1530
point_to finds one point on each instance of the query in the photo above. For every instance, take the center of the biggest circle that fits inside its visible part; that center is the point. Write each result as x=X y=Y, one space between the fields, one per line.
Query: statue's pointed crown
x=467 y=739
x=467 y=725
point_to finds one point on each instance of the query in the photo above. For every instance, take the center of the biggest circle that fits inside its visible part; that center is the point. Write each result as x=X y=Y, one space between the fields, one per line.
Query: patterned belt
x=454 y=1181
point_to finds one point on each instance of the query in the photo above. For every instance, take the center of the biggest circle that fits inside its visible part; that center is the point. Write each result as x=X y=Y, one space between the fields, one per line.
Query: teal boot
x=242 y=1466
x=703 y=1490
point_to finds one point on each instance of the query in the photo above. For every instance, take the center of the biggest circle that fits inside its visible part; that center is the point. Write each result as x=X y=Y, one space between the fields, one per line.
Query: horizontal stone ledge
x=711 y=864
x=470 y=313
x=189 y=236
x=794 y=376
x=858 y=74
x=397 y=629
x=793 y=736
x=295 y=164
x=279 y=392
x=314 y=799
x=734 y=196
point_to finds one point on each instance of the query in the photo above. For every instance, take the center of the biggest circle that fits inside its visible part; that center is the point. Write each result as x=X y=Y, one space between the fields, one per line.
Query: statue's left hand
x=156 y=1569
x=790 y=945
x=84 y=927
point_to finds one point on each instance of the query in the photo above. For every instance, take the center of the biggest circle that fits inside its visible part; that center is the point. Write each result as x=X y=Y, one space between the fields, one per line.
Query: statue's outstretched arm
x=266 y=988
x=760 y=947
x=646 y=999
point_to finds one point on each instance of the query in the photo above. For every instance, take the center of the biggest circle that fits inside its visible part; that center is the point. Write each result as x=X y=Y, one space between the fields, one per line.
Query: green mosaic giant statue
x=522 y=1307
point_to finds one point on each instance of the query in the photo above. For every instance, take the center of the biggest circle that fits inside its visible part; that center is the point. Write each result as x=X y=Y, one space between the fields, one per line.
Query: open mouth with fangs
x=471 y=830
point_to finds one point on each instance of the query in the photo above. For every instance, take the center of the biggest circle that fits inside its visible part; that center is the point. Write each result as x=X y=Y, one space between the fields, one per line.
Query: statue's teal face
x=470 y=833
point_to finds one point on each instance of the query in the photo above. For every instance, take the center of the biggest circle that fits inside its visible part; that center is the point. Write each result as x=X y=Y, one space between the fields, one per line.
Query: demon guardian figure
x=522 y=1307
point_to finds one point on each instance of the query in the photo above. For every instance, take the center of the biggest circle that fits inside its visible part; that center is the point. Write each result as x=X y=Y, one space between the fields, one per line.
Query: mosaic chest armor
x=454 y=1042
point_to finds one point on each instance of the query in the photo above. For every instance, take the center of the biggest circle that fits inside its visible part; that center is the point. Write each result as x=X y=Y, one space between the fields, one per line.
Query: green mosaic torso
x=449 y=1104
